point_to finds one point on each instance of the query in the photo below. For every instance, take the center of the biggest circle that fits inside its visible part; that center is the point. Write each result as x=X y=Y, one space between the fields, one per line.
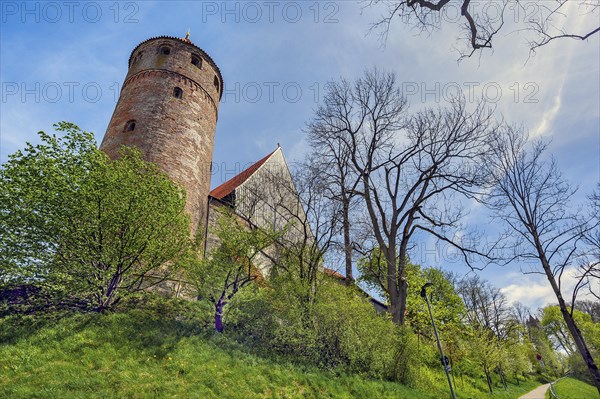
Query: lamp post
x=445 y=361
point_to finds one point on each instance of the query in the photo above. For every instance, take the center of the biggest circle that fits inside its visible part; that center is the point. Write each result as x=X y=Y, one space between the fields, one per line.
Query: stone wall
x=174 y=106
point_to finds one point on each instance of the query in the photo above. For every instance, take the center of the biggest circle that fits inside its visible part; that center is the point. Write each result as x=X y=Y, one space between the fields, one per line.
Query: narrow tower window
x=129 y=126
x=216 y=83
x=177 y=92
x=138 y=57
x=165 y=50
x=197 y=61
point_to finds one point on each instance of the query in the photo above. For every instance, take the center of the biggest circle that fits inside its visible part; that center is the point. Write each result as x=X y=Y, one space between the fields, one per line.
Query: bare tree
x=297 y=206
x=589 y=269
x=547 y=27
x=520 y=313
x=339 y=179
x=410 y=167
x=317 y=223
x=590 y=307
x=489 y=313
x=486 y=306
x=532 y=198
x=481 y=21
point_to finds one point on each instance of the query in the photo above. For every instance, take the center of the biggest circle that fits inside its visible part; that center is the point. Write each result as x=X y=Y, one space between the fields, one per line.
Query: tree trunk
x=398 y=290
x=347 y=243
x=401 y=281
x=580 y=344
x=219 y=315
x=392 y=283
x=502 y=379
x=107 y=300
x=402 y=294
x=573 y=329
x=488 y=378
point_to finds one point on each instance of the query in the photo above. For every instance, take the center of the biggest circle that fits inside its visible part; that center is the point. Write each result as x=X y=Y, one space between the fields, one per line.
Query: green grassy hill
x=570 y=388
x=146 y=354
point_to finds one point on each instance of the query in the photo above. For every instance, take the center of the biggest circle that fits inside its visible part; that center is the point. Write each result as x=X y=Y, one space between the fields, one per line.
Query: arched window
x=197 y=61
x=216 y=83
x=165 y=50
x=177 y=92
x=130 y=126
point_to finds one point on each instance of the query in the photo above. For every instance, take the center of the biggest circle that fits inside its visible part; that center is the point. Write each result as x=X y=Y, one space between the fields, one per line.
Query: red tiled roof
x=333 y=273
x=226 y=188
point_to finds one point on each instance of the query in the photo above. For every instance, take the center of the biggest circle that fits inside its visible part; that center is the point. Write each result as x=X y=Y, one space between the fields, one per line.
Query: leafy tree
x=232 y=264
x=556 y=329
x=542 y=347
x=485 y=351
x=446 y=306
x=558 y=333
x=84 y=227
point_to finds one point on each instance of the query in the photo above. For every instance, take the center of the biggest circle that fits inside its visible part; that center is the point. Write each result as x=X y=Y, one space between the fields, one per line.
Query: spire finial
x=187 y=35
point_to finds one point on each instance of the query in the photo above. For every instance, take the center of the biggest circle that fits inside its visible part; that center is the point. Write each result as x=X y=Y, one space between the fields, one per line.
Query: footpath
x=538 y=393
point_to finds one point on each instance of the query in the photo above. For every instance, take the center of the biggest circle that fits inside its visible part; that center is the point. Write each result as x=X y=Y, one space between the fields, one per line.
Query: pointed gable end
x=230 y=185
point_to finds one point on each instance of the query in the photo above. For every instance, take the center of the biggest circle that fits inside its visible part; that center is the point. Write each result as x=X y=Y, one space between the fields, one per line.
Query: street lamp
x=445 y=361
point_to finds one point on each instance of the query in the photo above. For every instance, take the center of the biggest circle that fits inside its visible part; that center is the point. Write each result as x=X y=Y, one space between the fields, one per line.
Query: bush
x=337 y=328
x=407 y=364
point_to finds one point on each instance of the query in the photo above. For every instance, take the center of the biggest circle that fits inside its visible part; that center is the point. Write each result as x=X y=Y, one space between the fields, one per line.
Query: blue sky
x=66 y=61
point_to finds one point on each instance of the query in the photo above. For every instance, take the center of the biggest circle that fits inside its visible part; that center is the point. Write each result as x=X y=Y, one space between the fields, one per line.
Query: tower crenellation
x=168 y=108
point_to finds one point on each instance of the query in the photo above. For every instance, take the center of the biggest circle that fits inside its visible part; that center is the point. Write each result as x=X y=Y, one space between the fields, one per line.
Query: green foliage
x=231 y=264
x=446 y=306
x=372 y=270
x=541 y=345
x=83 y=227
x=556 y=329
x=232 y=259
x=338 y=328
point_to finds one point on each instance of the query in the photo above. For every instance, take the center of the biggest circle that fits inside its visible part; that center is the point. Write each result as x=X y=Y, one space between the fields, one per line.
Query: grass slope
x=570 y=388
x=138 y=354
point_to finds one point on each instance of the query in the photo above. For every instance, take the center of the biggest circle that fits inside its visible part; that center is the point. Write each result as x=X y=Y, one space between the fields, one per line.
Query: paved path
x=537 y=393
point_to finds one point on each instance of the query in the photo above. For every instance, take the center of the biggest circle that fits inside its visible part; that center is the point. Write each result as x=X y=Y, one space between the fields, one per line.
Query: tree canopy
x=83 y=227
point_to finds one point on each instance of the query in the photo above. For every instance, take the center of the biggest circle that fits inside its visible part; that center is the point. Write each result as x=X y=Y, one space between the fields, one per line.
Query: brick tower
x=168 y=108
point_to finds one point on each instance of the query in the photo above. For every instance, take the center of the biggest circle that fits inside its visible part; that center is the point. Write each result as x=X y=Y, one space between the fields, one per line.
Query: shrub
x=337 y=328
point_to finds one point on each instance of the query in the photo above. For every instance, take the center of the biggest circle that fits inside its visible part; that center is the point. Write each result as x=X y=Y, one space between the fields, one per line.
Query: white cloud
x=534 y=290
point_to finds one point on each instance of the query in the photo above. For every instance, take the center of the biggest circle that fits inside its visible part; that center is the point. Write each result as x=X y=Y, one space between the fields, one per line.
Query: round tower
x=168 y=108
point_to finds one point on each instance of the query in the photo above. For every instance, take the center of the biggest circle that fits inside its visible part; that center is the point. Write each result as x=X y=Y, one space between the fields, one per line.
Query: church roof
x=230 y=185
x=333 y=273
